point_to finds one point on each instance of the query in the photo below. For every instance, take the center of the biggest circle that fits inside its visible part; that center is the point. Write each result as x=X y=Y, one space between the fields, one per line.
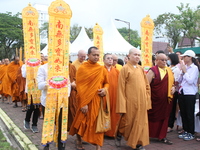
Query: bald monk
x=12 y=71
x=43 y=59
x=161 y=80
x=91 y=84
x=72 y=99
x=133 y=101
x=81 y=58
x=115 y=64
x=5 y=90
x=113 y=74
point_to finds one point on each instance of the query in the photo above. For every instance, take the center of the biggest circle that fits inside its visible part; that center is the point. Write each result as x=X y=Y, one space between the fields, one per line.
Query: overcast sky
x=88 y=12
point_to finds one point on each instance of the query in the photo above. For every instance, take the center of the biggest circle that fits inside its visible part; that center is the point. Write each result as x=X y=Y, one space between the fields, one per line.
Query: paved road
x=17 y=116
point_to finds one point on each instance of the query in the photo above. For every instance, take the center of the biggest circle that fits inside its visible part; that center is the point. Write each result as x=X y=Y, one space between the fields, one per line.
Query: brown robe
x=133 y=101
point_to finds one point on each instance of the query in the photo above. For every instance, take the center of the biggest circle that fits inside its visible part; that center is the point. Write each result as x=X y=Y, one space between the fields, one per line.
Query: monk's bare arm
x=150 y=76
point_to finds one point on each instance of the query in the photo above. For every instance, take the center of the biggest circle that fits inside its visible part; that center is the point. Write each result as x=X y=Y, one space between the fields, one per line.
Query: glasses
x=163 y=59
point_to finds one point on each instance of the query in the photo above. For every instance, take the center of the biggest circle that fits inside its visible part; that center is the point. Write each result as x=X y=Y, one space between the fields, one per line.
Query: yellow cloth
x=77 y=64
x=163 y=72
x=170 y=83
x=118 y=67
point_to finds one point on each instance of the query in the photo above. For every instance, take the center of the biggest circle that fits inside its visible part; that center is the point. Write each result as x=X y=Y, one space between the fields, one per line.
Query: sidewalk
x=17 y=116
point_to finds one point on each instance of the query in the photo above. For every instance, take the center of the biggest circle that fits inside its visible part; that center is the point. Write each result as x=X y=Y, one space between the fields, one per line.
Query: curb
x=22 y=140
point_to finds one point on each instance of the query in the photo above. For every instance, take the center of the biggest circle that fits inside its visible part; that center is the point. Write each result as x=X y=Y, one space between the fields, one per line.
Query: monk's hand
x=84 y=109
x=172 y=90
x=73 y=85
x=102 y=92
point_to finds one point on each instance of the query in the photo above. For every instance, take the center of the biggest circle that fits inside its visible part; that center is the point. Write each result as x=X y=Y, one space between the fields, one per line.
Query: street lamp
x=129 y=36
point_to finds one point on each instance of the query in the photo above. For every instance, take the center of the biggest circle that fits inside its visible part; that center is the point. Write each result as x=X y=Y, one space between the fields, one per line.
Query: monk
x=115 y=64
x=91 y=84
x=81 y=58
x=72 y=99
x=43 y=59
x=113 y=74
x=12 y=71
x=5 y=90
x=133 y=101
x=161 y=81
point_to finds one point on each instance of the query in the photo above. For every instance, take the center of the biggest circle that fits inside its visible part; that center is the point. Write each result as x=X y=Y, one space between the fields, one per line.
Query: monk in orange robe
x=81 y=58
x=5 y=90
x=113 y=74
x=133 y=101
x=91 y=84
x=72 y=99
x=13 y=68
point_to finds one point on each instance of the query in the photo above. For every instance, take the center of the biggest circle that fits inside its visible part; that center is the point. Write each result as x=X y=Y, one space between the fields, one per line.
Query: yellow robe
x=77 y=64
x=133 y=100
x=118 y=67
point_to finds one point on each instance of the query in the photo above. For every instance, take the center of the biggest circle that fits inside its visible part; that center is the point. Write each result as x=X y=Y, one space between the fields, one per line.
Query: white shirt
x=176 y=71
x=23 y=70
x=42 y=82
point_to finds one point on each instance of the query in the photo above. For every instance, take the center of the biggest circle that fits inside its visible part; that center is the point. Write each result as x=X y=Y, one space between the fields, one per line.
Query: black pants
x=187 y=108
x=172 y=117
x=36 y=112
x=61 y=146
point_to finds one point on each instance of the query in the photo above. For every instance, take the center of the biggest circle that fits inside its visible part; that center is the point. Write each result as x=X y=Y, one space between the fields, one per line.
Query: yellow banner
x=32 y=52
x=98 y=40
x=58 y=71
x=147 y=26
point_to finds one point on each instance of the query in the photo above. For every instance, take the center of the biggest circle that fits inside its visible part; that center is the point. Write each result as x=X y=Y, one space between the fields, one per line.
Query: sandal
x=166 y=141
x=23 y=110
x=78 y=146
x=169 y=130
x=118 y=140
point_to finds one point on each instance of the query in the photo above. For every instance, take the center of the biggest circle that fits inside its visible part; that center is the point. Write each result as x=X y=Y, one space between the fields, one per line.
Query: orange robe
x=133 y=101
x=72 y=99
x=5 y=89
x=12 y=75
x=113 y=83
x=90 y=78
x=77 y=64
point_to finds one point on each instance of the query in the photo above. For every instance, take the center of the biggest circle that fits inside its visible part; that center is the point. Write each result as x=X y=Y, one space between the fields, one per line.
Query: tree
x=190 y=19
x=11 y=34
x=168 y=25
x=74 y=31
x=135 y=39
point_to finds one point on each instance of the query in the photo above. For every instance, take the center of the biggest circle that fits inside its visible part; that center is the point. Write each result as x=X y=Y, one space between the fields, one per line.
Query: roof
x=185 y=42
x=195 y=49
x=160 y=46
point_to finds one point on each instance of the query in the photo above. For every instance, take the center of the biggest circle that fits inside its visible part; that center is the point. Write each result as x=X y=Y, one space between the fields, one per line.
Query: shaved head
x=134 y=56
x=133 y=50
x=161 y=60
x=115 y=59
x=81 y=55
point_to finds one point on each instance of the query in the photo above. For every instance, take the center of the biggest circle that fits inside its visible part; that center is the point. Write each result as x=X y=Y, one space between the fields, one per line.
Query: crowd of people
x=143 y=105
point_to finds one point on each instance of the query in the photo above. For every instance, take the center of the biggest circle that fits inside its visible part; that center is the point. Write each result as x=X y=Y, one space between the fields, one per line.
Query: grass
x=4 y=145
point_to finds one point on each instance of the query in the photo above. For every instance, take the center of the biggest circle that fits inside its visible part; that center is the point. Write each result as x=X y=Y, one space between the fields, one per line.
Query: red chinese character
x=32 y=52
x=147 y=32
x=98 y=46
x=146 y=50
x=58 y=61
x=31 y=35
x=57 y=68
x=98 y=38
x=30 y=23
x=59 y=42
x=31 y=47
x=59 y=25
x=147 y=44
x=98 y=42
x=59 y=34
x=31 y=41
x=58 y=50
x=146 y=38
x=30 y=29
x=146 y=61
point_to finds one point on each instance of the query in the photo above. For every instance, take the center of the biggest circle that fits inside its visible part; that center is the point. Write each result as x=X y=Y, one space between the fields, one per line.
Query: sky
x=88 y=12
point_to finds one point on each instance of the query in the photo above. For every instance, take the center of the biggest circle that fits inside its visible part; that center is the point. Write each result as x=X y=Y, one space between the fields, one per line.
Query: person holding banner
x=91 y=84
x=133 y=101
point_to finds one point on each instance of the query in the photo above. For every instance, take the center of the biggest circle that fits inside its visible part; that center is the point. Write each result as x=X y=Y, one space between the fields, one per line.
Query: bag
x=103 y=118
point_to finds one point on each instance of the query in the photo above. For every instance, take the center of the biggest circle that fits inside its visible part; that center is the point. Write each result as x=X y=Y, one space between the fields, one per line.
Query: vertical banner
x=98 y=40
x=58 y=72
x=147 y=26
x=32 y=52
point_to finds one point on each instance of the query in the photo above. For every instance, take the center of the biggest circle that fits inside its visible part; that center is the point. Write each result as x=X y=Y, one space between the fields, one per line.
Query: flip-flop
x=78 y=146
x=166 y=141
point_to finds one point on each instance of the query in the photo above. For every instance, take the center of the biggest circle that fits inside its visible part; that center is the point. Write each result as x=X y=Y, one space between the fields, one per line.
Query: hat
x=189 y=53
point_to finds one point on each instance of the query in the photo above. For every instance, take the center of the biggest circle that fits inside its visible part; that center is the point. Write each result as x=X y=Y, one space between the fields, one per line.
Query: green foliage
x=74 y=31
x=135 y=39
x=11 y=34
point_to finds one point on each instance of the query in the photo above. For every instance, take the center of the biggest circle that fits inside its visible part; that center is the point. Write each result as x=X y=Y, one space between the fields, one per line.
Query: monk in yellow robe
x=91 y=84
x=12 y=71
x=133 y=101
x=5 y=90
x=81 y=58
x=113 y=74
x=115 y=64
x=72 y=99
